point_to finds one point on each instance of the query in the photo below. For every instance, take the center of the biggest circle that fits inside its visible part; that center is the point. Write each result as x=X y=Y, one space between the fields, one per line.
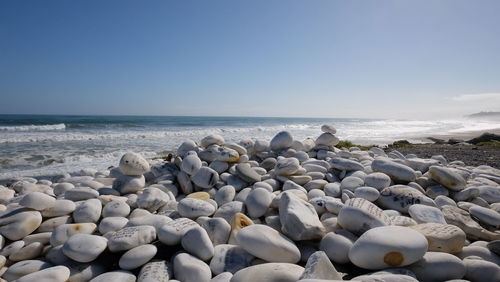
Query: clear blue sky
x=252 y=58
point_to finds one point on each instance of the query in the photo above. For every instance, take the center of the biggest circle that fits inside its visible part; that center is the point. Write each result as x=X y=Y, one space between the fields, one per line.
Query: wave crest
x=44 y=127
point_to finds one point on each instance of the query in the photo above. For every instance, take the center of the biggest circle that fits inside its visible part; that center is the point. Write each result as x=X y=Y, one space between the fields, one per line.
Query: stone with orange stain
x=447 y=177
x=63 y=232
x=388 y=246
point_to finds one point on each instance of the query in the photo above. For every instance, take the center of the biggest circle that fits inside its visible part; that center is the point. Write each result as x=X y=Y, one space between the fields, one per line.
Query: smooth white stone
x=478 y=270
x=282 y=140
x=425 y=214
x=17 y=224
x=327 y=139
x=60 y=188
x=172 y=232
x=193 y=208
x=196 y=242
x=368 y=193
x=37 y=201
x=388 y=246
x=282 y=272
x=205 y=177
x=319 y=266
x=133 y=164
x=129 y=184
x=12 y=248
x=401 y=197
x=378 y=180
x=336 y=247
x=137 y=256
x=60 y=208
x=345 y=164
x=84 y=247
x=23 y=268
x=328 y=128
x=187 y=146
x=88 y=211
x=443 y=201
x=447 y=177
x=81 y=194
x=156 y=271
x=29 y=251
x=153 y=198
x=437 y=266
x=258 y=202
x=191 y=164
x=398 y=172
x=299 y=218
x=225 y=194
x=359 y=215
x=218 y=229
x=131 y=237
x=287 y=166
x=218 y=153
x=115 y=276
x=116 y=208
x=268 y=244
x=229 y=258
x=111 y=224
x=486 y=215
x=189 y=268
x=219 y=166
x=53 y=274
x=212 y=139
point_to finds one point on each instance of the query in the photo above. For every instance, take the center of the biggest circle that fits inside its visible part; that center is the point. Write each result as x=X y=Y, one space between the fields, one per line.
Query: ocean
x=34 y=145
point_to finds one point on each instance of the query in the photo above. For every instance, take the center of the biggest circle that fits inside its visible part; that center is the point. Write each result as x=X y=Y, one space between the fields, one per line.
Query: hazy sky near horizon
x=380 y=59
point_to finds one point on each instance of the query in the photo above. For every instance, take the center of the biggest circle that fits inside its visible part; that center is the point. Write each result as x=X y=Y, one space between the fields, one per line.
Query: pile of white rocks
x=284 y=210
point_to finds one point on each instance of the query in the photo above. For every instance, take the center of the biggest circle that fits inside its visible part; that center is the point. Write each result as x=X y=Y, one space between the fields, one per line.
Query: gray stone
x=268 y=244
x=133 y=164
x=156 y=271
x=88 y=211
x=246 y=173
x=37 y=201
x=193 y=208
x=172 y=232
x=205 y=177
x=137 y=256
x=401 y=197
x=84 y=247
x=318 y=266
x=189 y=268
x=131 y=237
x=196 y=242
x=437 y=266
x=359 y=215
x=336 y=247
x=17 y=224
x=287 y=166
x=282 y=140
x=424 y=214
x=257 y=202
x=283 y=272
x=230 y=258
x=299 y=219
x=115 y=276
x=447 y=177
x=398 y=172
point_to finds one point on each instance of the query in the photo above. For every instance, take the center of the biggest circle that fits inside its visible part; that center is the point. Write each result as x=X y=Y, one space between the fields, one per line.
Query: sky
x=322 y=58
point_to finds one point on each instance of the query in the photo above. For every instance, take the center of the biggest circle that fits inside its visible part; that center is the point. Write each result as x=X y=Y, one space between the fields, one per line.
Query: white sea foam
x=45 y=127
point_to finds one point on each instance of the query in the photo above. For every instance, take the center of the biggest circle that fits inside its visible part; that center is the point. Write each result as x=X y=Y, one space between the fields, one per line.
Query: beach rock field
x=257 y=210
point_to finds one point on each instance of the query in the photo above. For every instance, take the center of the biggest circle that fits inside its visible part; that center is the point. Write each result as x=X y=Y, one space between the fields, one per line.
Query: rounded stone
x=388 y=246
x=437 y=266
x=133 y=164
x=359 y=215
x=88 y=211
x=205 y=177
x=368 y=193
x=37 y=201
x=196 y=242
x=377 y=180
x=171 y=233
x=258 y=202
x=336 y=247
x=486 y=215
x=60 y=208
x=54 y=274
x=23 y=268
x=282 y=272
x=137 y=256
x=247 y=173
x=211 y=140
x=189 y=268
x=287 y=166
x=115 y=276
x=17 y=224
x=447 y=177
x=193 y=208
x=268 y=244
x=116 y=208
x=62 y=233
x=131 y=237
x=396 y=171
x=156 y=271
x=84 y=247
x=229 y=258
x=425 y=214
x=282 y=140
x=328 y=128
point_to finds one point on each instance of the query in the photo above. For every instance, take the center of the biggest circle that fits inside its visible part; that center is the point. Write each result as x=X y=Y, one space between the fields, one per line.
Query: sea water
x=49 y=144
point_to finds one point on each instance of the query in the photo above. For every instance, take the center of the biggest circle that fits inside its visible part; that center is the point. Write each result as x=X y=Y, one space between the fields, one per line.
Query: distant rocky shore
x=261 y=210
